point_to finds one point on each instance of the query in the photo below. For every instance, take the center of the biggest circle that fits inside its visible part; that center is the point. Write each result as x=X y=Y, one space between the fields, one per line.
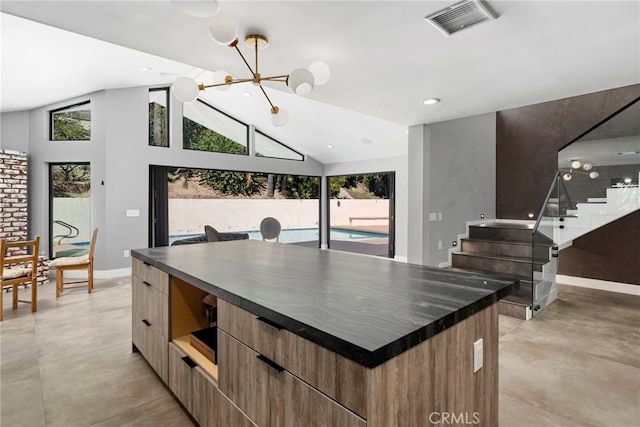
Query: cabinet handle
x=190 y=363
x=270 y=363
x=147 y=284
x=269 y=323
x=146 y=263
x=146 y=322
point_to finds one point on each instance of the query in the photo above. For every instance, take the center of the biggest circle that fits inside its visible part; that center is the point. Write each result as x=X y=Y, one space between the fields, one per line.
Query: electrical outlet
x=126 y=253
x=477 y=355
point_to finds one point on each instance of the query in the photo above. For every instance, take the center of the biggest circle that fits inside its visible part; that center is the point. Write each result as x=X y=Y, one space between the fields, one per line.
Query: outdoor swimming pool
x=293 y=235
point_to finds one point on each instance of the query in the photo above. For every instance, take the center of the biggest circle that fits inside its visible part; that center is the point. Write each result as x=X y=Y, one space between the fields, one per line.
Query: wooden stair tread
x=505 y=241
x=508 y=225
x=526 y=260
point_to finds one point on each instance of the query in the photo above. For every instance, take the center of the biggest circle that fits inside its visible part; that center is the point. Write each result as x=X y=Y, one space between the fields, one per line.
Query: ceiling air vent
x=460 y=16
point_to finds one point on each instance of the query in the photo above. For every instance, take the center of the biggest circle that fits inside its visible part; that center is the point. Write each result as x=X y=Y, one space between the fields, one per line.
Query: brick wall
x=13 y=195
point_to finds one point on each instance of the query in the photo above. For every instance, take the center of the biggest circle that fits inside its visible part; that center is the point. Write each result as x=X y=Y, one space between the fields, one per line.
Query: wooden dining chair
x=83 y=262
x=19 y=263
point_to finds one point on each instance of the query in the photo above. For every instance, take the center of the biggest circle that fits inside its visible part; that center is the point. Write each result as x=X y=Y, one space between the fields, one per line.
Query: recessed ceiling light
x=431 y=101
x=366 y=141
x=329 y=146
x=144 y=69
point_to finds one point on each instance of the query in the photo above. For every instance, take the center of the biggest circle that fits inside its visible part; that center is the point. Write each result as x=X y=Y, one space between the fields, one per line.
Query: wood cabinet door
x=151 y=304
x=251 y=381
x=153 y=276
x=206 y=400
x=151 y=345
x=180 y=376
x=305 y=406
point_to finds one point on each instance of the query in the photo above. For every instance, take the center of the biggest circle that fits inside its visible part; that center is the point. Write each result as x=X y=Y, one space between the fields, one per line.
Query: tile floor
x=71 y=364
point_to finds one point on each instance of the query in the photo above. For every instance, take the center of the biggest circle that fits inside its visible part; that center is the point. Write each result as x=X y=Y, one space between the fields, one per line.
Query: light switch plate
x=477 y=355
x=133 y=212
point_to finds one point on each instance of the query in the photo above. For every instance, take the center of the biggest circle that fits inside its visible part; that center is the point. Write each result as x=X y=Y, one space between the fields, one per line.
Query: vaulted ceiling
x=384 y=59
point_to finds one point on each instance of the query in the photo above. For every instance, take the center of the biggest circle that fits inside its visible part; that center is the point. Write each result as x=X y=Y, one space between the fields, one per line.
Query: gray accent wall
x=12 y=131
x=120 y=156
x=452 y=180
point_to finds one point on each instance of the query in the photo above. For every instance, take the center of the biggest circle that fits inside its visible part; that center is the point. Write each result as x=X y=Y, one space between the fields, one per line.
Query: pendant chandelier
x=224 y=31
x=579 y=168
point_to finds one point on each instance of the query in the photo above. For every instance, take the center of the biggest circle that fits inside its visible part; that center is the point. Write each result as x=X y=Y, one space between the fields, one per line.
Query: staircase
x=506 y=249
x=596 y=213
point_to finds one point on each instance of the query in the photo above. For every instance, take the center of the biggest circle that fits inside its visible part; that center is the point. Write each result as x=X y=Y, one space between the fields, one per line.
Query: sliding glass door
x=361 y=213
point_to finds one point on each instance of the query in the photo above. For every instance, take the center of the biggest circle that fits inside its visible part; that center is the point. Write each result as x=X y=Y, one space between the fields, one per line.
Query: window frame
x=168 y=117
x=58 y=110
x=247 y=131
x=302 y=159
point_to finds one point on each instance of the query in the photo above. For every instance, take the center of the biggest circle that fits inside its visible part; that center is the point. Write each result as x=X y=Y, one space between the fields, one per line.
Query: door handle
x=269 y=323
x=270 y=363
x=190 y=363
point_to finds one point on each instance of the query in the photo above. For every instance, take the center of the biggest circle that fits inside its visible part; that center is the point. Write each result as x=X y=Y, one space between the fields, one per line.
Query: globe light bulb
x=594 y=175
x=185 y=89
x=223 y=29
x=566 y=176
x=575 y=164
x=279 y=118
x=301 y=81
x=320 y=71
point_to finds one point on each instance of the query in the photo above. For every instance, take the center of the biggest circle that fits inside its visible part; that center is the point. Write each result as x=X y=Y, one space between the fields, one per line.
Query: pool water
x=292 y=235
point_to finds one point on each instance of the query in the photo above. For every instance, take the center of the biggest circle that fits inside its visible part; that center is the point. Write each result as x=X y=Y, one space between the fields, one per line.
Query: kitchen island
x=309 y=337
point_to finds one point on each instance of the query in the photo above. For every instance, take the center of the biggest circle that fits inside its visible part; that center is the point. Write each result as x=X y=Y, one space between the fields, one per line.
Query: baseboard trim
x=603 y=285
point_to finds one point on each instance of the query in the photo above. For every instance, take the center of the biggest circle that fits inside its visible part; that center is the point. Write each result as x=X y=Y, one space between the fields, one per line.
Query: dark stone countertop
x=364 y=308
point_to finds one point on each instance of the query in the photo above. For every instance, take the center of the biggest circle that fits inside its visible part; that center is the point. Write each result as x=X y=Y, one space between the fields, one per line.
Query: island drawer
x=336 y=376
x=270 y=395
x=151 y=275
x=151 y=345
x=192 y=386
x=151 y=304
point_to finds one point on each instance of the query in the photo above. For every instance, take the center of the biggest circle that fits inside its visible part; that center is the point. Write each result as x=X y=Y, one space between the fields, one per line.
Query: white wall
x=189 y=216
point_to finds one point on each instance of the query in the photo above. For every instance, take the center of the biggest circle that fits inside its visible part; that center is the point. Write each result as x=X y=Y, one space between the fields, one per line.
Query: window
x=269 y=147
x=158 y=114
x=70 y=208
x=72 y=123
x=183 y=200
x=207 y=129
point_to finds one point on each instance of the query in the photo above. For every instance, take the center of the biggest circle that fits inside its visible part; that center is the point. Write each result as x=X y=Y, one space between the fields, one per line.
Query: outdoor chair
x=83 y=262
x=212 y=234
x=19 y=263
x=270 y=229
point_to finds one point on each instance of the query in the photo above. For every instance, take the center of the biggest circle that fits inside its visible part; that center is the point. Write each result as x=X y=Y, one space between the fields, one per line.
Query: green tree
x=336 y=183
x=71 y=127
x=158 y=125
